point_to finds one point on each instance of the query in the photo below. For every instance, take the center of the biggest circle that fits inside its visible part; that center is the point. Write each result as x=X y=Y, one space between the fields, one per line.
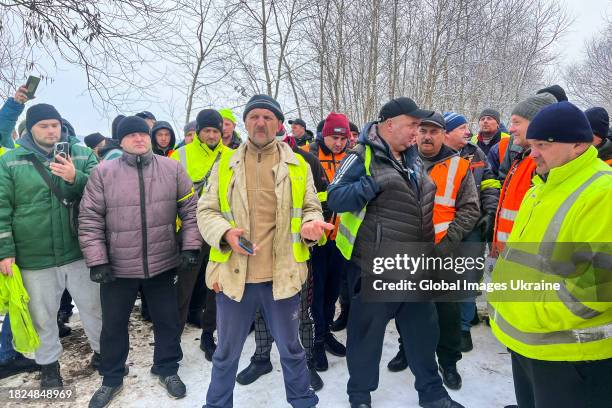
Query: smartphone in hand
x=32 y=85
x=61 y=148
x=245 y=244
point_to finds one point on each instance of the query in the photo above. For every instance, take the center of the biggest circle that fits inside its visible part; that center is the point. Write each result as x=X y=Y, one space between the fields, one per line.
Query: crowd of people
x=266 y=233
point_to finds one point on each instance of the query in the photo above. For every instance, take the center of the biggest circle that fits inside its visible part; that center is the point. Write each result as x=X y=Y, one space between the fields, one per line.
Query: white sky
x=67 y=92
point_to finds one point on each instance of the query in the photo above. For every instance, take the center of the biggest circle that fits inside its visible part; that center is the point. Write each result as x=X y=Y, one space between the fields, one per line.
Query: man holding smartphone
x=264 y=193
x=36 y=233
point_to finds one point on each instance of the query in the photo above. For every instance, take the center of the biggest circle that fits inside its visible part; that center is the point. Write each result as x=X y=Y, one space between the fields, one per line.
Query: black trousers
x=417 y=322
x=449 y=345
x=562 y=384
x=263 y=337
x=117 y=299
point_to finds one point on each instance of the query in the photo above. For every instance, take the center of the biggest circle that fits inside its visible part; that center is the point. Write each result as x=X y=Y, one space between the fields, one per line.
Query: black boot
x=254 y=370
x=50 y=376
x=398 y=363
x=207 y=345
x=319 y=358
x=333 y=346
x=340 y=323
x=104 y=395
x=450 y=377
x=63 y=329
x=466 y=342
x=18 y=365
x=445 y=402
x=316 y=382
x=174 y=385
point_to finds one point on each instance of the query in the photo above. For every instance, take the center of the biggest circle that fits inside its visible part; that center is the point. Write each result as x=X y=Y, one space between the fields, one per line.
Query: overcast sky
x=68 y=95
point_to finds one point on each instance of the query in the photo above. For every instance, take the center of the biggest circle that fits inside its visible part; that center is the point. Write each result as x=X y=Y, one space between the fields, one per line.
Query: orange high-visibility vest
x=609 y=161
x=516 y=184
x=330 y=163
x=447 y=176
x=503 y=147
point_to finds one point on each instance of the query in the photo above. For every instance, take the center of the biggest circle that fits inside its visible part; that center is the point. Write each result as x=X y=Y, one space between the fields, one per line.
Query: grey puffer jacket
x=128 y=215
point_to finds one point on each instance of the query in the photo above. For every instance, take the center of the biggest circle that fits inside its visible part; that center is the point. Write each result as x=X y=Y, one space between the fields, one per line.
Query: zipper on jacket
x=143 y=219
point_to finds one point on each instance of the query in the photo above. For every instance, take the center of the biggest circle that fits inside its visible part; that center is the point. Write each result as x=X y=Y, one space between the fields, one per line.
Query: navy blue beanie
x=560 y=122
x=42 y=111
x=599 y=120
x=264 y=102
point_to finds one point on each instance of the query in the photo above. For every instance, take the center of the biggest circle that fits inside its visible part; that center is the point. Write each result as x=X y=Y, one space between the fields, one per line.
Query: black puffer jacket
x=400 y=198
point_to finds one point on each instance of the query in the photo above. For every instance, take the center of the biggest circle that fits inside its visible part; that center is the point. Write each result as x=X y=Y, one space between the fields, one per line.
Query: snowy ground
x=487 y=377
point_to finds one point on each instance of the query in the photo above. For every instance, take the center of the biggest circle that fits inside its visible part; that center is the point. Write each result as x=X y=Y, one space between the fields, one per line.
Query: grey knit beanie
x=529 y=107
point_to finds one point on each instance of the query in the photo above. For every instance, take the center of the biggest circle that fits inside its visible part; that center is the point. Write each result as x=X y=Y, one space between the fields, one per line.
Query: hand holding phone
x=31 y=86
x=239 y=244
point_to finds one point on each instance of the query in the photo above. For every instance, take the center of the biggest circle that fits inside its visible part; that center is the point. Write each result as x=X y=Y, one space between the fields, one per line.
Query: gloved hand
x=486 y=225
x=101 y=273
x=189 y=258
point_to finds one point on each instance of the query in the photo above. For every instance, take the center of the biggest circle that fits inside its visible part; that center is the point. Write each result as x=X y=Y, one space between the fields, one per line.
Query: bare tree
x=590 y=81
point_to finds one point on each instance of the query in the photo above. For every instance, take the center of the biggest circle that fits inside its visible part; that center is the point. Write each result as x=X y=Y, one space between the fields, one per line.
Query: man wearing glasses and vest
x=560 y=337
x=386 y=199
x=518 y=180
x=259 y=215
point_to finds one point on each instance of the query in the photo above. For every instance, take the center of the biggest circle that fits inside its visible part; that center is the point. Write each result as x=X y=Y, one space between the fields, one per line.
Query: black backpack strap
x=47 y=178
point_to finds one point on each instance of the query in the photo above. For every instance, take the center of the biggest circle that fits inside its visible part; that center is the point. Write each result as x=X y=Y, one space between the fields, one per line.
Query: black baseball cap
x=434 y=119
x=402 y=106
x=298 y=121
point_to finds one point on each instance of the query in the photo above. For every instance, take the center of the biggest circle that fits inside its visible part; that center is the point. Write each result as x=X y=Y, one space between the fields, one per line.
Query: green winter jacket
x=34 y=225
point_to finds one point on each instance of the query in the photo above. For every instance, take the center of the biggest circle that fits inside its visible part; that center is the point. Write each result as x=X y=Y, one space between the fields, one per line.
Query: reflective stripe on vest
x=447 y=176
x=516 y=184
x=298 y=175
x=351 y=221
x=183 y=157
x=543 y=262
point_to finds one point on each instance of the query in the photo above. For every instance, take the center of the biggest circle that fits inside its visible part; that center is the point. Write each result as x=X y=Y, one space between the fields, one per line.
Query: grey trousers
x=45 y=288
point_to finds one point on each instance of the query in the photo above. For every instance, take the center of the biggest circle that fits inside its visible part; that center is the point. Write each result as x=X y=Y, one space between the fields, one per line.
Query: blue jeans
x=7 y=352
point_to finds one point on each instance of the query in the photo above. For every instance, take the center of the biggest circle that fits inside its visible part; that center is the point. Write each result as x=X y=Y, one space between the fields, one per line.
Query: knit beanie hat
x=93 y=140
x=191 y=126
x=228 y=114
x=39 y=112
x=209 y=118
x=336 y=124
x=556 y=91
x=490 y=112
x=116 y=121
x=264 y=102
x=131 y=124
x=353 y=127
x=529 y=107
x=599 y=120
x=453 y=120
x=560 y=122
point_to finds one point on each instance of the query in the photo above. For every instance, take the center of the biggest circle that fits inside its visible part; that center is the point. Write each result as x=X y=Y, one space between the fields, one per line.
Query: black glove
x=189 y=258
x=101 y=273
x=485 y=225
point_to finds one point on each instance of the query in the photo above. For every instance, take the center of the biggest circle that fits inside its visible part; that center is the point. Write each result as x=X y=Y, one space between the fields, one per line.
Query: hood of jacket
x=27 y=142
x=605 y=150
x=158 y=126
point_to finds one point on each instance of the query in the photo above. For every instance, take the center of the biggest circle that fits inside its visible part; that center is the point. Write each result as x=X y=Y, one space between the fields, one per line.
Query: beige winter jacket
x=287 y=274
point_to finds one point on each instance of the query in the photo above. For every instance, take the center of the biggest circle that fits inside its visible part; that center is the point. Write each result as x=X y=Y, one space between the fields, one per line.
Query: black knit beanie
x=39 y=112
x=209 y=118
x=116 y=121
x=131 y=124
x=264 y=102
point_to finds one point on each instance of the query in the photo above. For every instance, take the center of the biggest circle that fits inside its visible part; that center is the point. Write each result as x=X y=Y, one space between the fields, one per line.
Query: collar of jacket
x=444 y=153
x=496 y=137
x=559 y=174
x=286 y=155
x=131 y=158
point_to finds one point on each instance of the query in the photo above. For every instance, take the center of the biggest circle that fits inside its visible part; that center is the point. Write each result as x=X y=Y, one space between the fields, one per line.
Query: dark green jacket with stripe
x=34 y=225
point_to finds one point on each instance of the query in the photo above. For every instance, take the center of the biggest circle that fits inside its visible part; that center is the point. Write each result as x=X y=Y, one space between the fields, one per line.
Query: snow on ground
x=486 y=372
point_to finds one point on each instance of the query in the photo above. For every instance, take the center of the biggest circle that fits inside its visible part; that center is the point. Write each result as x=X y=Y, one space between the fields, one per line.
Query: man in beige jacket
x=263 y=193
